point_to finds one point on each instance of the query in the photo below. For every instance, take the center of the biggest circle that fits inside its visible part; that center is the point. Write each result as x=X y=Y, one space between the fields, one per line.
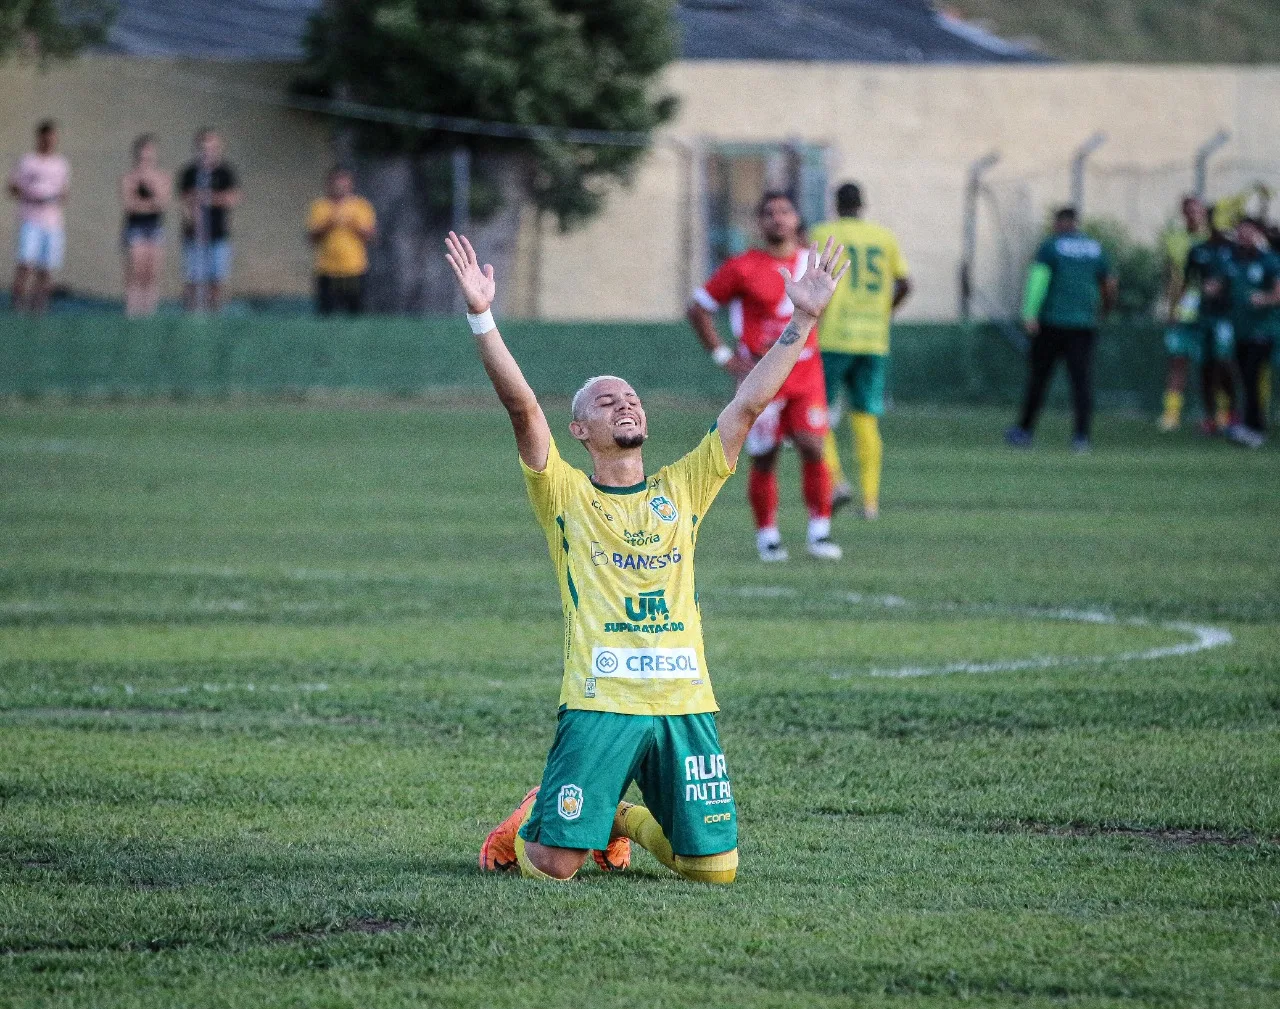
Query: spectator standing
x=210 y=189
x=145 y=192
x=1069 y=282
x=1254 y=296
x=340 y=226
x=40 y=183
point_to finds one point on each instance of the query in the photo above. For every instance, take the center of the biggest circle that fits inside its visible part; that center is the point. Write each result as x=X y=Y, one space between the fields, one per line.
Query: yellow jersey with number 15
x=624 y=561
x=857 y=319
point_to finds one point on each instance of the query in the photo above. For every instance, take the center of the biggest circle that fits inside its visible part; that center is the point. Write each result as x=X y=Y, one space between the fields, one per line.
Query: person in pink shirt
x=39 y=182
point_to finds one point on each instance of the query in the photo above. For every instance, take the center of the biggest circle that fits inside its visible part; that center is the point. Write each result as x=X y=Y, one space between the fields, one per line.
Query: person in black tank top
x=145 y=191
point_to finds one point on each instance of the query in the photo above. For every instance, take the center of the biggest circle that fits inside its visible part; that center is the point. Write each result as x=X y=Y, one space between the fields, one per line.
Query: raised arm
x=533 y=435
x=809 y=295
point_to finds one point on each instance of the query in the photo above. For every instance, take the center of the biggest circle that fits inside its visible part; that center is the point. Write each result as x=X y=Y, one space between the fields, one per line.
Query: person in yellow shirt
x=636 y=702
x=340 y=226
x=853 y=336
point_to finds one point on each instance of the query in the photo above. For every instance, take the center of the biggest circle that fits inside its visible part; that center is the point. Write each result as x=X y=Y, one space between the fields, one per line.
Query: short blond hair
x=579 y=407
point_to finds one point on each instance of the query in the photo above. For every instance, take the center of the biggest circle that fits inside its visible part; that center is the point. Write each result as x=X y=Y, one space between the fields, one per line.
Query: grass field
x=1148 y=31
x=269 y=674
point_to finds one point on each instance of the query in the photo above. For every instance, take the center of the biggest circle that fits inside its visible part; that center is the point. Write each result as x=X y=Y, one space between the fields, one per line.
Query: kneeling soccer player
x=636 y=701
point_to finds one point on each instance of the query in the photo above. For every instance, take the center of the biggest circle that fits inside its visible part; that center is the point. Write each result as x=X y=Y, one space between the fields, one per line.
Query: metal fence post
x=1203 y=153
x=1077 y=169
x=461 y=189
x=969 y=235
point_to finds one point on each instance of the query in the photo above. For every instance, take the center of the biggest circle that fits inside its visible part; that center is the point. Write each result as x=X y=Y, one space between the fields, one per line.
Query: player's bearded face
x=615 y=416
x=779 y=220
x=628 y=424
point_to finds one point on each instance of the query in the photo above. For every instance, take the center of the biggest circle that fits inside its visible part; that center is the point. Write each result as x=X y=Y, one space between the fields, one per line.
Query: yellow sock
x=870 y=449
x=639 y=825
x=1223 y=413
x=722 y=868
x=831 y=456
x=1172 y=408
x=527 y=869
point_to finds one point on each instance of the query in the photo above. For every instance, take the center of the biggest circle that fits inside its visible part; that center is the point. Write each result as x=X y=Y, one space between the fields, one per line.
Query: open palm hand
x=478 y=286
x=814 y=288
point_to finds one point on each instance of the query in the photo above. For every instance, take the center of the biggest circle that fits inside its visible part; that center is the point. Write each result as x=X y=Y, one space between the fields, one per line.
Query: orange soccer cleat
x=498 y=853
x=616 y=857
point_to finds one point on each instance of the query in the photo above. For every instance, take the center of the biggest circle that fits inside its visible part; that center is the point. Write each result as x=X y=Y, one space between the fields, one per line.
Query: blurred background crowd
x=304 y=157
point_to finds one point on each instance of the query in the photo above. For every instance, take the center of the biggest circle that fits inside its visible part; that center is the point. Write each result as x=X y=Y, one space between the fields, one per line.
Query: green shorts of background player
x=861 y=379
x=1209 y=344
x=679 y=766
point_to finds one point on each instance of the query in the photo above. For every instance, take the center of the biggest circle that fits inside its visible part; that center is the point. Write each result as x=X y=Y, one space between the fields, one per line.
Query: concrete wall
x=102 y=103
x=907 y=133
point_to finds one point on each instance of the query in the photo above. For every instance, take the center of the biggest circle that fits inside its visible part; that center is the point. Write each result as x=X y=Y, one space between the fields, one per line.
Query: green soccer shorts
x=863 y=376
x=1184 y=339
x=675 y=759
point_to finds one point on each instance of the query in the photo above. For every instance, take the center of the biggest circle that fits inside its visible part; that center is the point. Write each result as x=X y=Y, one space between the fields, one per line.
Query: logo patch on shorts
x=570 y=804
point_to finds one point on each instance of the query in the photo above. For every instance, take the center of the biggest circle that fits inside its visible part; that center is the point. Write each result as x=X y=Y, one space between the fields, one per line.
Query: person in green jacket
x=1254 y=297
x=1070 y=285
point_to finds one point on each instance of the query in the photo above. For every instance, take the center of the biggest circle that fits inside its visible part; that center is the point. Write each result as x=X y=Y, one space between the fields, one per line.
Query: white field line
x=1203 y=637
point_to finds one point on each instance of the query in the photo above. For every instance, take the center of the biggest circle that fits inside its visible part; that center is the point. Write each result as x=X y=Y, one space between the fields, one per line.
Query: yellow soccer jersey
x=624 y=561
x=857 y=319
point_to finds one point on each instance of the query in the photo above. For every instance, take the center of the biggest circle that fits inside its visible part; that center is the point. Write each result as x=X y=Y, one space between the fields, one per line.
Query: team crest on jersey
x=664 y=508
x=570 y=804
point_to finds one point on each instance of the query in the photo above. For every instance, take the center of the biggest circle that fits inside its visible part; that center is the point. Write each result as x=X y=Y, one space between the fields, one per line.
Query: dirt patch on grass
x=1179 y=837
x=367 y=926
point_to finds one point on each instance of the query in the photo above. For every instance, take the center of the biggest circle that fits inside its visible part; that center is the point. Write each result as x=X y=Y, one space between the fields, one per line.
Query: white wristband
x=722 y=355
x=481 y=323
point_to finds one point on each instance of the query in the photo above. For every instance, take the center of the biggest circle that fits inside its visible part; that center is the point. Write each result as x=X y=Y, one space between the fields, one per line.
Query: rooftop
x=865 y=31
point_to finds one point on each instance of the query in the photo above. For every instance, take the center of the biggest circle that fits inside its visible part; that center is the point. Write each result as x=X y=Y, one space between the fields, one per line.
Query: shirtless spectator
x=209 y=190
x=145 y=191
x=39 y=182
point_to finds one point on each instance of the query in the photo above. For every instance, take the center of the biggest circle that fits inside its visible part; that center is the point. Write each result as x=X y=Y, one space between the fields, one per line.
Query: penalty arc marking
x=1202 y=637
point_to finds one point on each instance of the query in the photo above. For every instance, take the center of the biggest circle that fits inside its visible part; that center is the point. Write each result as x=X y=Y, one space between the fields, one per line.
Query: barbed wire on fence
x=1014 y=212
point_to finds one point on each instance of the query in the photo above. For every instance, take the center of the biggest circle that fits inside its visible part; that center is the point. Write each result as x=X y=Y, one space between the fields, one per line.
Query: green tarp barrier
x=91 y=354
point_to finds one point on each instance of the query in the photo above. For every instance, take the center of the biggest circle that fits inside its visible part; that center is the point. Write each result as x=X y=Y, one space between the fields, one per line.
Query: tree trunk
x=412 y=197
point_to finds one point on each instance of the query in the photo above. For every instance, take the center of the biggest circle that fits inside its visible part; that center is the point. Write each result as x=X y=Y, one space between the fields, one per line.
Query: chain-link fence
x=1013 y=213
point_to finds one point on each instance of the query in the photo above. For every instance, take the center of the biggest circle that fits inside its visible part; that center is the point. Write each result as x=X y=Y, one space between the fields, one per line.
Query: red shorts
x=788 y=415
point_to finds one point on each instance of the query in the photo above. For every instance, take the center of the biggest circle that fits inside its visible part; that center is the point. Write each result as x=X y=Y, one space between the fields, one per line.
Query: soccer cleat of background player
x=635 y=702
x=853 y=336
x=759 y=310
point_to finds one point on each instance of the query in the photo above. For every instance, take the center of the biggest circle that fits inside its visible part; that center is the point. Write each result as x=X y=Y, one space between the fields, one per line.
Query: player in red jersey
x=751 y=286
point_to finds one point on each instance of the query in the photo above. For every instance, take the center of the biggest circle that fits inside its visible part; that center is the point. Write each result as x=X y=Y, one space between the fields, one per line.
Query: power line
x=423 y=120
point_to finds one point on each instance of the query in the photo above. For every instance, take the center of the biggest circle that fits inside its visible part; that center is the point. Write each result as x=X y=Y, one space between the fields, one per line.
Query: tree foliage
x=52 y=29
x=1137 y=267
x=585 y=64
